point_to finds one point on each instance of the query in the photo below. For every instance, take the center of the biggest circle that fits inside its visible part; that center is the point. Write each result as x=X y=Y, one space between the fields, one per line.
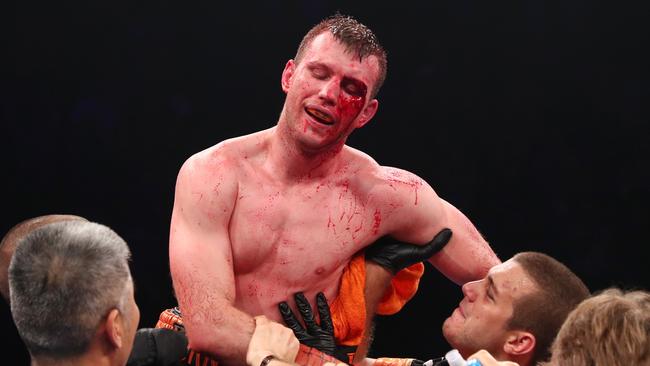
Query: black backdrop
x=531 y=117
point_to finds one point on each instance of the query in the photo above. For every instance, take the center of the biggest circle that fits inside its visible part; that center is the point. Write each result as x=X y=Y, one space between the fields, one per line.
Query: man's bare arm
x=201 y=261
x=467 y=256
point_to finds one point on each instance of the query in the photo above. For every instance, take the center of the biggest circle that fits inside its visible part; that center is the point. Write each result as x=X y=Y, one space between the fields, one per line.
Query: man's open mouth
x=320 y=116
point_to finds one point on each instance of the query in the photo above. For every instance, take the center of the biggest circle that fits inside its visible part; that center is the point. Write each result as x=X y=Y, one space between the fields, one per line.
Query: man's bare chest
x=318 y=226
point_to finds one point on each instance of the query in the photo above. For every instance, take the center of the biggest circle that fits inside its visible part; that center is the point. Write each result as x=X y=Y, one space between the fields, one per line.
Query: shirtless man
x=260 y=217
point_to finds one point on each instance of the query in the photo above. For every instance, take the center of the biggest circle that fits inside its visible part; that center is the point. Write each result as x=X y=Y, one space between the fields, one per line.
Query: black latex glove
x=157 y=347
x=320 y=337
x=395 y=255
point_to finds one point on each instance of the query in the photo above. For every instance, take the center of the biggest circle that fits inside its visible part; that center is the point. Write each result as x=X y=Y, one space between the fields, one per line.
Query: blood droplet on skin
x=396 y=177
x=253 y=289
x=376 y=222
x=331 y=224
x=346 y=185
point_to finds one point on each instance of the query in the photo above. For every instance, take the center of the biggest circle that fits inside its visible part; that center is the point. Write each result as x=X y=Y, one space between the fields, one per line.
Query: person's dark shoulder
x=158 y=347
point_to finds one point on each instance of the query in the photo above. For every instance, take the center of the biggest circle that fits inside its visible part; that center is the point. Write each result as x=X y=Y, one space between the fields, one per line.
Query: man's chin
x=448 y=330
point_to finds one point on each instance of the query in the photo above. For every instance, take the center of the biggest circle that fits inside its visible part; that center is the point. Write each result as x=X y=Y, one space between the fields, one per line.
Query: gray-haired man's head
x=64 y=279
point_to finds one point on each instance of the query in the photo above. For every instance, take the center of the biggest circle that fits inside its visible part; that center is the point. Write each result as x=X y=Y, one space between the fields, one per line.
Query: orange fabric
x=402 y=289
x=349 y=308
x=169 y=320
x=198 y=359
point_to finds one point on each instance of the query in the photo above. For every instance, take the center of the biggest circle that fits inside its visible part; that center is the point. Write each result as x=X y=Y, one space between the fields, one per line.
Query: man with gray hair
x=11 y=239
x=71 y=295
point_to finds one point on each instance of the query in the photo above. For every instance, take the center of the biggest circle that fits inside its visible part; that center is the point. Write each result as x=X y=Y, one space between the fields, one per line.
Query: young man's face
x=328 y=92
x=479 y=322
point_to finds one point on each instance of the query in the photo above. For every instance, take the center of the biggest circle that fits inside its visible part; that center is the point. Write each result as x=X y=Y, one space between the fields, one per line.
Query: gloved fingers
x=442 y=238
x=290 y=320
x=436 y=244
x=380 y=245
x=324 y=314
x=305 y=310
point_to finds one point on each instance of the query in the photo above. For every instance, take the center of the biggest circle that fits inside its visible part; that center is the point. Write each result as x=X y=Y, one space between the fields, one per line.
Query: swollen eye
x=354 y=87
x=353 y=90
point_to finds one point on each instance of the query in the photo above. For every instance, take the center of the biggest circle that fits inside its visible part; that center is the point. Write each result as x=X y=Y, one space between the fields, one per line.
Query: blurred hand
x=270 y=338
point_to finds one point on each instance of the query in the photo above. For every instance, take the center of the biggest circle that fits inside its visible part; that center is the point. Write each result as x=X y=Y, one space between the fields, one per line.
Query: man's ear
x=367 y=113
x=114 y=329
x=519 y=343
x=287 y=75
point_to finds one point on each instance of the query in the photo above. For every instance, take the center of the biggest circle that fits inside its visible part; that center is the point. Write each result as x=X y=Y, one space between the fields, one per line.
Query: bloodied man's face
x=328 y=93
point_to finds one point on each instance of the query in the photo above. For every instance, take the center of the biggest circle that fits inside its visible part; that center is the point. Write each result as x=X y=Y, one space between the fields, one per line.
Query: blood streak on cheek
x=350 y=106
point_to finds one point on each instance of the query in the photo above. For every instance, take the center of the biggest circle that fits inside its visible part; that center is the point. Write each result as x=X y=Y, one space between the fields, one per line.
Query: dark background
x=531 y=117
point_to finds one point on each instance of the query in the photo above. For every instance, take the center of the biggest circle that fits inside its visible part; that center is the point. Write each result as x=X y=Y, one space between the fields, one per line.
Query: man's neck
x=521 y=360
x=293 y=162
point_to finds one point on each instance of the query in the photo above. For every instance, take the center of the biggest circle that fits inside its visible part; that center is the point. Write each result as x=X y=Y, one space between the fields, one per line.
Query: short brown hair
x=611 y=328
x=542 y=312
x=357 y=38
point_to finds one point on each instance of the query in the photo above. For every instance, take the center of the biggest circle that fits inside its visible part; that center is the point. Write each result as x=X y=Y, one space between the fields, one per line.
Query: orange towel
x=349 y=308
x=402 y=289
